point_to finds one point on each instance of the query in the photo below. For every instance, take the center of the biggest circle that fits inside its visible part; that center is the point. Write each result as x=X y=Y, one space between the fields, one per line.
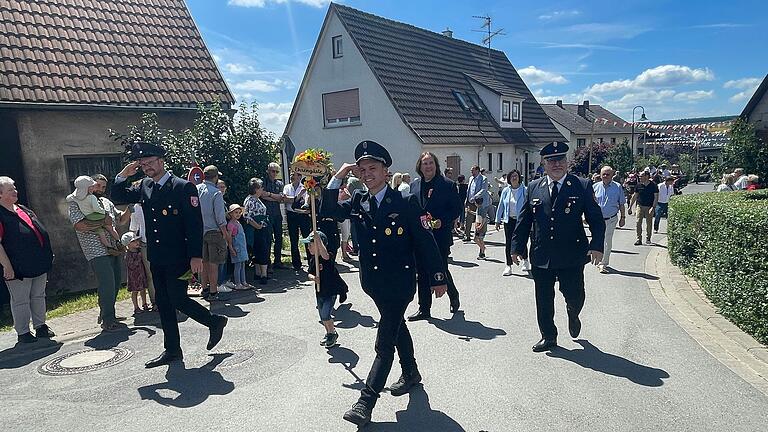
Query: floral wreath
x=311 y=158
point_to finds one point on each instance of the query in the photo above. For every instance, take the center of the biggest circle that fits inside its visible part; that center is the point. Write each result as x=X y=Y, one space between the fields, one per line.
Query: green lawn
x=64 y=305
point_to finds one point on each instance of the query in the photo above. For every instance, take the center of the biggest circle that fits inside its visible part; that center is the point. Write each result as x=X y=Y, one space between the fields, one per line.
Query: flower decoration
x=315 y=165
x=433 y=223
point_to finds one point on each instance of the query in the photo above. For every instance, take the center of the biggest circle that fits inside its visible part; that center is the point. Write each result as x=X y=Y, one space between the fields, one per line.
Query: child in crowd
x=137 y=276
x=331 y=283
x=239 y=251
x=481 y=226
x=260 y=235
x=95 y=215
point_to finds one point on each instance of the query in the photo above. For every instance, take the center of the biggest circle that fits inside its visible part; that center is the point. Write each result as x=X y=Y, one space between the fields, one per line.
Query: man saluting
x=394 y=233
x=174 y=229
x=554 y=206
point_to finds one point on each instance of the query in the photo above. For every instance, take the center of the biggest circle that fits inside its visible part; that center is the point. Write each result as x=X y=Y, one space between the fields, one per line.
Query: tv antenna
x=489 y=33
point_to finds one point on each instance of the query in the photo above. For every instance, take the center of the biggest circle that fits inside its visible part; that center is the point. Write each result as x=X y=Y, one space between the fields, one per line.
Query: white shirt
x=551 y=181
x=741 y=183
x=292 y=192
x=137 y=222
x=665 y=191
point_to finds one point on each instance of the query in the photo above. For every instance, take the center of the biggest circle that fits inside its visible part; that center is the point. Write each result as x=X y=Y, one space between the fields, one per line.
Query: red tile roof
x=105 y=52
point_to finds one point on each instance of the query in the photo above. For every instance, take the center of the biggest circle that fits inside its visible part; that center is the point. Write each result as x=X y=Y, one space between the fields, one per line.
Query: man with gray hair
x=272 y=197
x=610 y=197
x=740 y=182
x=216 y=238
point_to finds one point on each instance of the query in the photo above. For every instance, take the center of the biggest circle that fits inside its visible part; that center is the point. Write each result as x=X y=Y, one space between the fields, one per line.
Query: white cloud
x=534 y=76
x=261 y=86
x=559 y=14
x=744 y=83
x=238 y=68
x=694 y=96
x=262 y=3
x=274 y=116
x=741 y=96
x=660 y=76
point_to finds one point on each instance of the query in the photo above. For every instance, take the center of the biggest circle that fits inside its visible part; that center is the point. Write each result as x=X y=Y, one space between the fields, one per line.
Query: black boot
x=359 y=414
x=163 y=359
x=405 y=383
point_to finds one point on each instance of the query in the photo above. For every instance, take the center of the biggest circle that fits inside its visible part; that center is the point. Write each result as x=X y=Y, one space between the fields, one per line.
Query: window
x=600 y=140
x=461 y=100
x=516 y=111
x=108 y=164
x=501 y=162
x=581 y=142
x=338 y=48
x=490 y=162
x=341 y=108
x=475 y=103
x=505 y=111
x=613 y=140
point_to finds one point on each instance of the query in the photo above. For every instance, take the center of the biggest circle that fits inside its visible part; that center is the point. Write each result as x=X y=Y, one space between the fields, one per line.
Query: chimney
x=447 y=32
x=560 y=103
x=586 y=105
x=581 y=111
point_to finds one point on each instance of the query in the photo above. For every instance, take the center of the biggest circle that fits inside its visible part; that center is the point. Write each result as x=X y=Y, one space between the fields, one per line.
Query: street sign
x=195 y=175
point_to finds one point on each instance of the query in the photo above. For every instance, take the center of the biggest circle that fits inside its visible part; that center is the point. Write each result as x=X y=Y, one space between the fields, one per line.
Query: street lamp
x=642 y=119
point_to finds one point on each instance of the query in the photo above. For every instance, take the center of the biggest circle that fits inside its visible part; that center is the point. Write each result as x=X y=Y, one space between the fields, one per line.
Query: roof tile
x=105 y=52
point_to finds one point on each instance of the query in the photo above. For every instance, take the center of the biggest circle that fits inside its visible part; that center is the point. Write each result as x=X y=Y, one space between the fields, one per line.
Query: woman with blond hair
x=726 y=184
x=397 y=180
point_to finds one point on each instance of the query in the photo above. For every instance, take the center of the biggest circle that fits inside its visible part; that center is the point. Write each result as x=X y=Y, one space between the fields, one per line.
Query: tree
x=580 y=162
x=619 y=157
x=746 y=150
x=239 y=147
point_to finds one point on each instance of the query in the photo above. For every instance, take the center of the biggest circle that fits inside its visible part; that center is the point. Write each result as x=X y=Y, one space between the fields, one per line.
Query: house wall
x=512 y=158
x=379 y=121
x=759 y=115
x=46 y=137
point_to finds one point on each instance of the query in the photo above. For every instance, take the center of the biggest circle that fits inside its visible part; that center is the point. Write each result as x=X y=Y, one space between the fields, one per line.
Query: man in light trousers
x=610 y=197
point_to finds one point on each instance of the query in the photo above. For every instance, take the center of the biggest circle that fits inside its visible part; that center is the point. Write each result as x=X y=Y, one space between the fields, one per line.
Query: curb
x=685 y=302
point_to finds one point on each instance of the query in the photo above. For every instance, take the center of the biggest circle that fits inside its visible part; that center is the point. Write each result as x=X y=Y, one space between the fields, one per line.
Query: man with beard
x=174 y=224
x=395 y=237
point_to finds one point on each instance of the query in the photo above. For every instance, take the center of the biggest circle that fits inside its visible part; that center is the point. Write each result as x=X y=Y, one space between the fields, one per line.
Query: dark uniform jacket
x=174 y=224
x=391 y=242
x=557 y=235
x=443 y=204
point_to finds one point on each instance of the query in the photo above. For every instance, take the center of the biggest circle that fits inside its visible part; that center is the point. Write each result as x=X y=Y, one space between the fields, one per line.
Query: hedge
x=721 y=239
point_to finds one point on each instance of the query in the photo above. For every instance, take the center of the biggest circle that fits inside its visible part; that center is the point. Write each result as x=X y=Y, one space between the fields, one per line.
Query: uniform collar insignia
x=393 y=215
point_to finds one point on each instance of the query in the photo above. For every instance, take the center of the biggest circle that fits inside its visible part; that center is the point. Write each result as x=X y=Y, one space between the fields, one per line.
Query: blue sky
x=675 y=58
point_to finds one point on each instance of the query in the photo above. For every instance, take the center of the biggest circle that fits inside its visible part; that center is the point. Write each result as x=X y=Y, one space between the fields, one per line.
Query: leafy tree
x=746 y=150
x=580 y=162
x=619 y=157
x=238 y=146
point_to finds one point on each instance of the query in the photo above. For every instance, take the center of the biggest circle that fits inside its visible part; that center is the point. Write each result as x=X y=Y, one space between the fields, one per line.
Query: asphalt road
x=633 y=369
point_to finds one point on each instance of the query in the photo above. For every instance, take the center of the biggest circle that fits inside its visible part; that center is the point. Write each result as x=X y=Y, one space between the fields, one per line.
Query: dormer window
x=515 y=111
x=505 y=111
x=338 y=48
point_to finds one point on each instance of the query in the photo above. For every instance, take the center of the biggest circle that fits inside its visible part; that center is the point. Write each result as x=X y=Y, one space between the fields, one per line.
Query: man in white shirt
x=298 y=219
x=666 y=190
x=610 y=197
x=741 y=179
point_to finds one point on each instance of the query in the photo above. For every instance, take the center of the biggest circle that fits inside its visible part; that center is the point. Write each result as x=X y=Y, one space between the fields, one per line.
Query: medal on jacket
x=165 y=212
x=388 y=231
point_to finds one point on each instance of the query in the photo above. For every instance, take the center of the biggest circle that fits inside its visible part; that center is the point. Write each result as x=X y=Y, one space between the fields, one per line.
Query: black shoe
x=454 y=307
x=545 y=345
x=638 y=242
x=405 y=383
x=263 y=280
x=342 y=297
x=205 y=294
x=359 y=414
x=574 y=326
x=330 y=340
x=27 y=338
x=44 y=332
x=217 y=330
x=164 y=359
x=481 y=255
x=420 y=315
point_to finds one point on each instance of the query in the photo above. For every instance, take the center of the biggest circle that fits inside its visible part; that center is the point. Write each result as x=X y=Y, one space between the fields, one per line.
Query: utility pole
x=490 y=34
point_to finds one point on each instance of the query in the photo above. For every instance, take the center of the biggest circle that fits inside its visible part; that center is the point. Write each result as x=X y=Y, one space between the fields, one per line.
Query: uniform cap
x=311 y=237
x=554 y=149
x=141 y=149
x=372 y=150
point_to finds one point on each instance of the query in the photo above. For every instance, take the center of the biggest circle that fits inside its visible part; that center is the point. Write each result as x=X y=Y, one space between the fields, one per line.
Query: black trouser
x=171 y=295
x=392 y=333
x=425 y=288
x=276 y=225
x=298 y=223
x=509 y=229
x=571 y=285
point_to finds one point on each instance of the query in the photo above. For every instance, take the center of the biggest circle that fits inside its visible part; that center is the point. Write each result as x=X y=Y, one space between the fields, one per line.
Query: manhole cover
x=86 y=360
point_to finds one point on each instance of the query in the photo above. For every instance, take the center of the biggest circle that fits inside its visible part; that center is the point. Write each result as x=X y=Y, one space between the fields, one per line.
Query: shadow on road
x=347 y=358
x=645 y=276
x=591 y=357
x=465 y=264
x=466 y=330
x=348 y=318
x=418 y=416
x=107 y=340
x=191 y=386
x=23 y=354
x=623 y=252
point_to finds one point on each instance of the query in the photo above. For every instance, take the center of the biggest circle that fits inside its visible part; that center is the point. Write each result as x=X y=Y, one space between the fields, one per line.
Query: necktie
x=374 y=206
x=553 y=196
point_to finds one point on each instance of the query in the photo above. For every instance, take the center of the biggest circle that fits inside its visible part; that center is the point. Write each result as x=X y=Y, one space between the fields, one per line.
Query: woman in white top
x=510 y=205
x=405 y=186
x=727 y=183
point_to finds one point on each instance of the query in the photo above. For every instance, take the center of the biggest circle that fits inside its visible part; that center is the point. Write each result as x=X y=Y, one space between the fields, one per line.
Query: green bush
x=721 y=239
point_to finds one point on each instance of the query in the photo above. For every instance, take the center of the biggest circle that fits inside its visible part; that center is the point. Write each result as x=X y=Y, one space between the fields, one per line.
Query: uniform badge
x=568 y=182
x=567 y=210
x=388 y=231
x=165 y=212
x=400 y=231
x=175 y=212
x=424 y=221
x=393 y=215
x=388 y=200
x=320 y=266
x=439 y=277
x=195 y=201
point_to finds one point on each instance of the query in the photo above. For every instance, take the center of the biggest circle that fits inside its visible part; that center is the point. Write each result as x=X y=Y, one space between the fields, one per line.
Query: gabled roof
x=145 y=53
x=756 y=98
x=568 y=116
x=495 y=86
x=419 y=69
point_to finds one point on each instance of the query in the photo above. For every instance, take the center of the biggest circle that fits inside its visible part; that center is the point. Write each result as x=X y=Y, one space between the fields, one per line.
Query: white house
x=756 y=110
x=413 y=90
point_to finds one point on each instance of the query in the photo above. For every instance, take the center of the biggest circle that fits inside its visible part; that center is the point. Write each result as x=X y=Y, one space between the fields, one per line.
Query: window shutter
x=341 y=105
